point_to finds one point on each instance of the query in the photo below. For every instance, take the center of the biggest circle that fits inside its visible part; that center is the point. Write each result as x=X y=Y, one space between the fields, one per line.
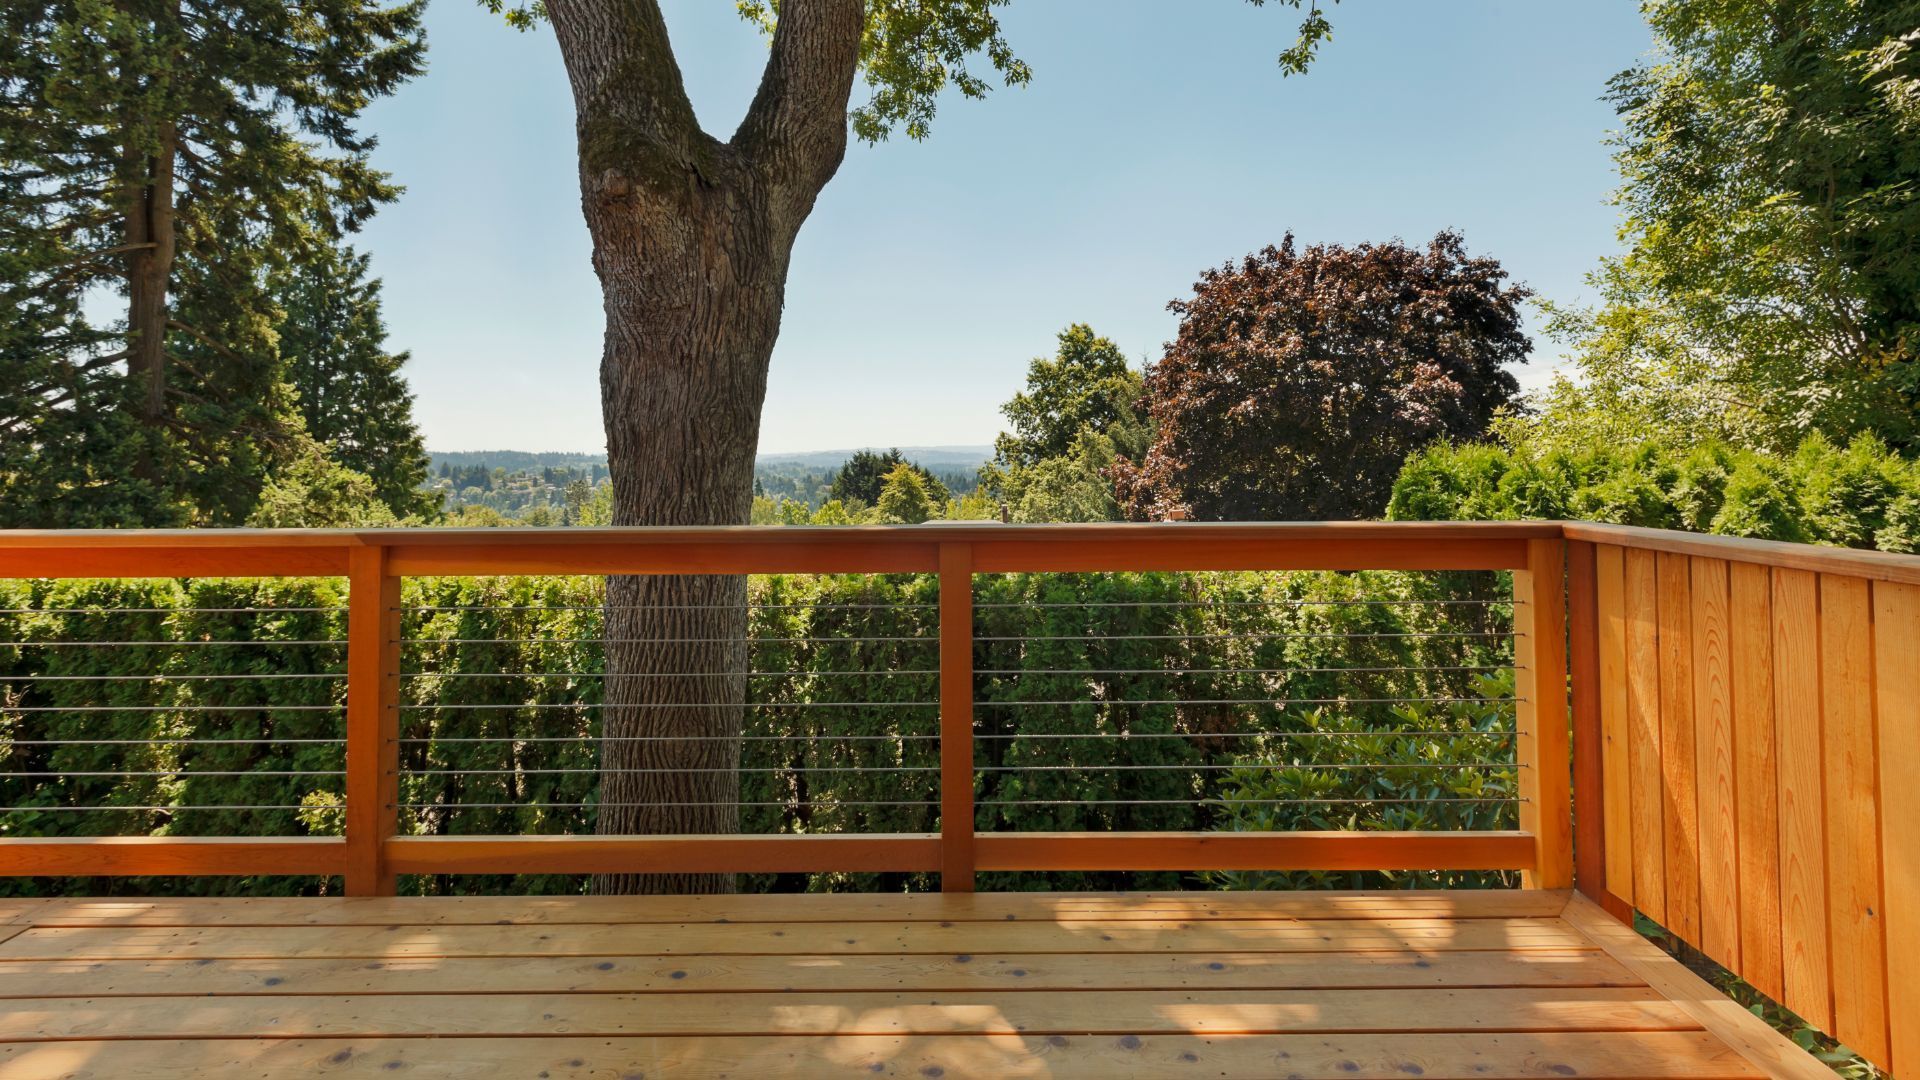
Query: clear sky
x=1157 y=138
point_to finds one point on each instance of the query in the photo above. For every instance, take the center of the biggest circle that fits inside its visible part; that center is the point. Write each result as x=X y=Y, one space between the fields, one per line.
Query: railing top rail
x=1037 y=546
x=1853 y=562
x=973 y=532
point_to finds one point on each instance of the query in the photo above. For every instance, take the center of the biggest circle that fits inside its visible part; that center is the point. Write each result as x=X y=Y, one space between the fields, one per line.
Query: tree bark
x=149 y=225
x=692 y=239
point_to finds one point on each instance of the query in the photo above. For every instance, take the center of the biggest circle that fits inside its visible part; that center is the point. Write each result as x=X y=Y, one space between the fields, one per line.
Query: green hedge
x=1862 y=495
x=1063 y=662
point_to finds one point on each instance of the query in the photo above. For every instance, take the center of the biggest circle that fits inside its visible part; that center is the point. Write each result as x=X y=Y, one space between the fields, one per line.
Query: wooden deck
x=1213 y=985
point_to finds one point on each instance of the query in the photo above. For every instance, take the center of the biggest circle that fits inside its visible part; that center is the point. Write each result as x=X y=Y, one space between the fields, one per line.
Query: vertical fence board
x=1583 y=670
x=1643 y=720
x=1803 y=845
x=1756 y=777
x=1896 y=644
x=1853 y=817
x=1615 y=736
x=1713 y=757
x=1678 y=765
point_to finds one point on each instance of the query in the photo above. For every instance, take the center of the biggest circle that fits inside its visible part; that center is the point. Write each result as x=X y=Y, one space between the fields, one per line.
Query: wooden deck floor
x=1068 y=986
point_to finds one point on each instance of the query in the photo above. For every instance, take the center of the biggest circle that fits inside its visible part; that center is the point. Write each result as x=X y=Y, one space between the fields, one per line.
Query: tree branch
x=629 y=97
x=797 y=125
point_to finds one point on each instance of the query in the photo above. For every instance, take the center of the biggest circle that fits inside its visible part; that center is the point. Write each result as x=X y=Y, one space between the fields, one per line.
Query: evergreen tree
x=351 y=393
x=904 y=498
x=177 y=154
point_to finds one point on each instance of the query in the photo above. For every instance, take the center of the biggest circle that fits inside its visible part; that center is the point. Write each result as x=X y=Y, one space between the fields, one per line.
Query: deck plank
x=1057 y=1057
x=856 y=1012
x=1750 y=1036
x=110 y=943
x=789 y=908
x=1100 y=986
x=802 y=973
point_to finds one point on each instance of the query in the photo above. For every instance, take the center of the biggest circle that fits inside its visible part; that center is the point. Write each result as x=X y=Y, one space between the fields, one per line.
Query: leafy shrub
x=1862 y=495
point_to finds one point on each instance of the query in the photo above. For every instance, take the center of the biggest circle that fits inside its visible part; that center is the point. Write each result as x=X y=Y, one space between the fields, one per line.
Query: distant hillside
x=513 y=460
x=935 y=458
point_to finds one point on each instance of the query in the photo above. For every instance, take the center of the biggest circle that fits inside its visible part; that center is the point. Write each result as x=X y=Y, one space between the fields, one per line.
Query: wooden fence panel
x=1760 y=730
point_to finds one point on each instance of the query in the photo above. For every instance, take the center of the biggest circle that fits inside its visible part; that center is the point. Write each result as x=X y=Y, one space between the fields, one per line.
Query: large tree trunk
x=692 y=239
x=682 y=382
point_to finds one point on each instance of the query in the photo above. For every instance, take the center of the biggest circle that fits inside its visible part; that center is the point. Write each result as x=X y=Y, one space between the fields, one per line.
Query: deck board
x=1106 y=985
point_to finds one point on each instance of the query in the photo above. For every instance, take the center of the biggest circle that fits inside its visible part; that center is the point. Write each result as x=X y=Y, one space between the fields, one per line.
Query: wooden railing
x=374 y=850
x=1747 y=740
x=1744 y=765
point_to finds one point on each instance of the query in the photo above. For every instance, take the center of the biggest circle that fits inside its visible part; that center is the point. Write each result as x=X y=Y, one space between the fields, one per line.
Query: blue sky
x=1158 y=138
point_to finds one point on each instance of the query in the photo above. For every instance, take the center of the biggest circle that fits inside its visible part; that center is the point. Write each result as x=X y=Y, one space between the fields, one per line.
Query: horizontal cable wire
x=1257 y=637
x=657 y=674
x=1232 y=603
x=684 y=705
x=779 y=769
x=1251 y=735
x=183 y=741
x=1263 y=765
x=676 y=738
x=1215 y=800
x=166 y=708
x=176 y=611
x=1253 y=701
x=903 y=606
x=185 y=643
x=930 y=639
x=170 y=677
x=817 y=804
x=187 y=773
x=111 y=809
x=1240 y=671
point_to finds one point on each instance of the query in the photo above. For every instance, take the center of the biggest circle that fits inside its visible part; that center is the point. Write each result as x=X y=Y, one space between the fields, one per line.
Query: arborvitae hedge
x=1074 y=672
x=1863 y=495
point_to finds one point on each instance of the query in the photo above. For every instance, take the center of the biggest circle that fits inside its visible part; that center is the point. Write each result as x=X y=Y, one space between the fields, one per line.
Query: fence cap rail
x=1852 y=562
x=940 y=532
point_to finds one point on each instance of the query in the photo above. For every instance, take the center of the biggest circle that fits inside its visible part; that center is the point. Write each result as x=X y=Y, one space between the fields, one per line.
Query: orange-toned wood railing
x=372 y=852
x=1747 y=746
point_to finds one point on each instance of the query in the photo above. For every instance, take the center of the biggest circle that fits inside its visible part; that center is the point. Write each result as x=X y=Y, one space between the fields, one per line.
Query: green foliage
x=317 y=492
x=1770 y=162
x=190 y=152
x=865 y=475
x=349 y=389
x=904 y=498
x=1301 y=379
x=1085 y=384
x=504 y=676
x=1861 y=495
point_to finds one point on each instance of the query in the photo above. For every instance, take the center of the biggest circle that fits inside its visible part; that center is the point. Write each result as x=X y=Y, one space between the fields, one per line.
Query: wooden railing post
x=373 y=719
x=956 y=717
x=1541 y=744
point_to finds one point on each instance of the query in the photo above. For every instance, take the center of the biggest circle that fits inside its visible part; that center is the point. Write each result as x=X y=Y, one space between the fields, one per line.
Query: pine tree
x=178 y=154
x=350 y=391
